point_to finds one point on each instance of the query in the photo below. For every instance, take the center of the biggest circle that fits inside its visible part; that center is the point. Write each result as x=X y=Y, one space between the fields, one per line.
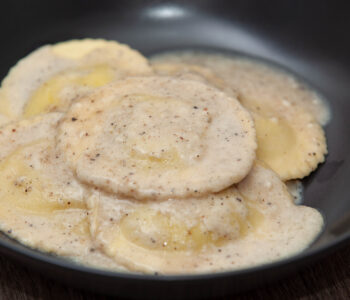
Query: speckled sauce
x=42 y=204
x=237 y=74
x=158 y=173
x=158 y=137
x=288 y=116
x=253 y=223
x=53 y=76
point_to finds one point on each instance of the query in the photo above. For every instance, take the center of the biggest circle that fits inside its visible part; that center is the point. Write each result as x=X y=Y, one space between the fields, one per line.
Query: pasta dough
x=53 y=76
x=290 y=140
x=42 y=204
x=158 y=137
x=255 y=222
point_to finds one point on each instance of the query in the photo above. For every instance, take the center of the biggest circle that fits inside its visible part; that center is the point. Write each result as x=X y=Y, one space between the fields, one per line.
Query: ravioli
x=158 y=137
x=286 y=114
x=165 y=236
x=53 y=76
x=289 y=140
x=42 y=204
x=170 y=168
x=255 y=222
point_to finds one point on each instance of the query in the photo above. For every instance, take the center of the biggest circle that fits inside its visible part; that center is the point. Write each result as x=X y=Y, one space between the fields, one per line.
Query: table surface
x=329 y=278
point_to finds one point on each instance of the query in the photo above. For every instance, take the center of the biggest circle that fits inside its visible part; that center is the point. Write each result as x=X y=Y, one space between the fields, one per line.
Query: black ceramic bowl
x=310 y=38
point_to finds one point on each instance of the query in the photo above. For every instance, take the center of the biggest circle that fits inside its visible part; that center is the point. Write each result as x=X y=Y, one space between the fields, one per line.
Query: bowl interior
x=306 y=38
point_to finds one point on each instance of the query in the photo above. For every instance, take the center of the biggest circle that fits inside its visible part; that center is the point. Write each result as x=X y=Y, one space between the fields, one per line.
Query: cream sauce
x=158 y=137
x=266 y=225
x=252 y=76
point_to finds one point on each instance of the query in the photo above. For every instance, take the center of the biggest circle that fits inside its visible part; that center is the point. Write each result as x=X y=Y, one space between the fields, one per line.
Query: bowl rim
x=308 y=255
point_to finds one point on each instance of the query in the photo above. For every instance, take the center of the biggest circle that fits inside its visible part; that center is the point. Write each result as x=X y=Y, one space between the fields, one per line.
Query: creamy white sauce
x=222 y=65
x=274 y=240
x=256 y=222
x=291 y=89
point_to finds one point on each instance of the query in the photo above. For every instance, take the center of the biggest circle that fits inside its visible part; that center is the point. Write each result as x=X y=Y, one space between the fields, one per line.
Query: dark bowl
x=310 y=38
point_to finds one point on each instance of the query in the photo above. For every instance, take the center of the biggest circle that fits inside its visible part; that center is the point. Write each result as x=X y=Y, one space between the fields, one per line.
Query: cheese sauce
x=260 y=219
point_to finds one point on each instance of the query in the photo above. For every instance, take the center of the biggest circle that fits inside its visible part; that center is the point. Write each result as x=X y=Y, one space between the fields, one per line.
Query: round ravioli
x=256 y=222
x=53 y=76
x=172 y=236
x=158 y=137
x=290 y=140
x=42 y=204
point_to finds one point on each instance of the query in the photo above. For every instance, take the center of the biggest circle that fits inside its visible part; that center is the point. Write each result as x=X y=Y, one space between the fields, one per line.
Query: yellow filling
x=47 y=97
x=23 y=187
x=276 y=142
x=168 y=160
x=154 y=230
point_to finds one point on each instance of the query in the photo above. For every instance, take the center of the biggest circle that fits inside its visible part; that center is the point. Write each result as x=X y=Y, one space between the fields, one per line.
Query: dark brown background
x=329 y=278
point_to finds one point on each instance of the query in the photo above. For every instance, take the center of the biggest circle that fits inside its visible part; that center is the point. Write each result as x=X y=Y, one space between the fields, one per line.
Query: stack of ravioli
x=178 y=165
